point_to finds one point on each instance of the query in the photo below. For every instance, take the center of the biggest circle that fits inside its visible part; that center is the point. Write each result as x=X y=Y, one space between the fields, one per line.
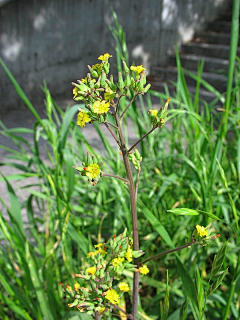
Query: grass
x=193 y=163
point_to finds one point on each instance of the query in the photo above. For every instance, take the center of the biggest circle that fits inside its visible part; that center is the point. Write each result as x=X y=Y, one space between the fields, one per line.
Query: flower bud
x=127 y=79
x=106 y=67
x=103 y=78
x=120 y=81
x=147 y=88
x=93 y=72
x=111 y=85
x=125 y=67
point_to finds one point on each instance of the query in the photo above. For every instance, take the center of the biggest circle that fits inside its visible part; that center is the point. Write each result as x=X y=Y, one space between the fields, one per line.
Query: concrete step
x=169 y=74
x=204 y=49
x=226 y=16
x=220 y=26
x=212 y=37
x=190 y=62
x=159 y=86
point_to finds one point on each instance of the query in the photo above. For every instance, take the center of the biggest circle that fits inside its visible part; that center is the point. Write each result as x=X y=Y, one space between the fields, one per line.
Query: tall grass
x=193 y=163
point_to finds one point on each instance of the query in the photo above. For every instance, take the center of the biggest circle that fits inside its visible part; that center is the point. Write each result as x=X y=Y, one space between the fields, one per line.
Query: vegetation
x=192 y=163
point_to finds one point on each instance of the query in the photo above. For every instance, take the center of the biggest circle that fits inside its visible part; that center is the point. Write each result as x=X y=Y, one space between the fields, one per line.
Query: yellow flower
x=98 y=67
x=112 y=296
x=144 y=269
x=117 y=261
x=202 y=231
x=93 y=171
x=76 y=286
x=102 y=251
x=82 y=118
x=98 y=245
x=124 y=287
x=91 y=270
x=90 y=254
x=109 y=94
x=100 y=311
x=137 y=69
x=128 y=254
x=75 y=91
x=101 y=107
x=104 y=57
x=85 y=80
x=154 y=112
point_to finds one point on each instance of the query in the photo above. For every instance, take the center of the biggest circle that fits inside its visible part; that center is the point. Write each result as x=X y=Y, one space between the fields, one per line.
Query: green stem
x=134 y=215
x=233 y=284
x=229 y=301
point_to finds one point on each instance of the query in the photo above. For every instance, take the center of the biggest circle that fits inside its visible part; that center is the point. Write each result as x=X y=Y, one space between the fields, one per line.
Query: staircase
x=212 y=46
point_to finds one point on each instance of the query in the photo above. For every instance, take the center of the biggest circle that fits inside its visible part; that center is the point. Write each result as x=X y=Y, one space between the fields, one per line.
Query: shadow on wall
x=56 y=40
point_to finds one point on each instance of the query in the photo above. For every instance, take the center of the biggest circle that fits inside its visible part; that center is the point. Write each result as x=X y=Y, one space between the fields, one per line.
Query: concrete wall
x=55 y=39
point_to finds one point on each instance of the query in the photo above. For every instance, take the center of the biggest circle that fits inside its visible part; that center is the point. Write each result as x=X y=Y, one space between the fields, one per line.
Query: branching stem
x=169 y=251
x=136 y=143
x=129 y=316
x=112 y=133
x=134 y=215
x=111 y=125
x=135 y=96
x=114 y=176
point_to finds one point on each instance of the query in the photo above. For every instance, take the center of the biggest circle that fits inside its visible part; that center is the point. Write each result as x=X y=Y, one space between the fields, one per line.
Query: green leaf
x=199 y=289
x=211 y=215
x=217 y=283
x=17 y=310
x=184 y=211
x=20 y=92
x=67 y=119
x=155 y=223
x=164 y=307
x=186 y=279
x=15 y=206
x=184 y=310
x=38 y=285
x=218 y=260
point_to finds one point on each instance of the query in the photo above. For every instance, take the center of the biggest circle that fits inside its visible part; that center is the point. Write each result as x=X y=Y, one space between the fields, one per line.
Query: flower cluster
x=91 y=169
x=202 y=234
x=158 y=117
x=98 y=94
x=135 y=158
x=99 y=288
x=202 y=231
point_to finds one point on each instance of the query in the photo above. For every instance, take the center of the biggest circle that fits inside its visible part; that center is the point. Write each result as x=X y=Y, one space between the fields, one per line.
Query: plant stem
x=134 y=215
x=121 y=116
x=114 y=176
x=123 y=311
x=169 y=251
x=111 y=124
x=136 y=189
x=136 y=143
x=233 y=284
x=118 y=102
x=112 y=133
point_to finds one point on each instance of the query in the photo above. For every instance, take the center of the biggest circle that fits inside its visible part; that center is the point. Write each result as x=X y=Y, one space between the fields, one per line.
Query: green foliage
x=193 y=163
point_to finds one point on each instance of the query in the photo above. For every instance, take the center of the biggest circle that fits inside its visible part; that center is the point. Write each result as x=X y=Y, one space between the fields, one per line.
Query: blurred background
x=55 y=40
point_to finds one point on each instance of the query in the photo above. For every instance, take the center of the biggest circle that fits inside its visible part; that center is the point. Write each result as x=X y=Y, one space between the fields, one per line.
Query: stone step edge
x=173 y=69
